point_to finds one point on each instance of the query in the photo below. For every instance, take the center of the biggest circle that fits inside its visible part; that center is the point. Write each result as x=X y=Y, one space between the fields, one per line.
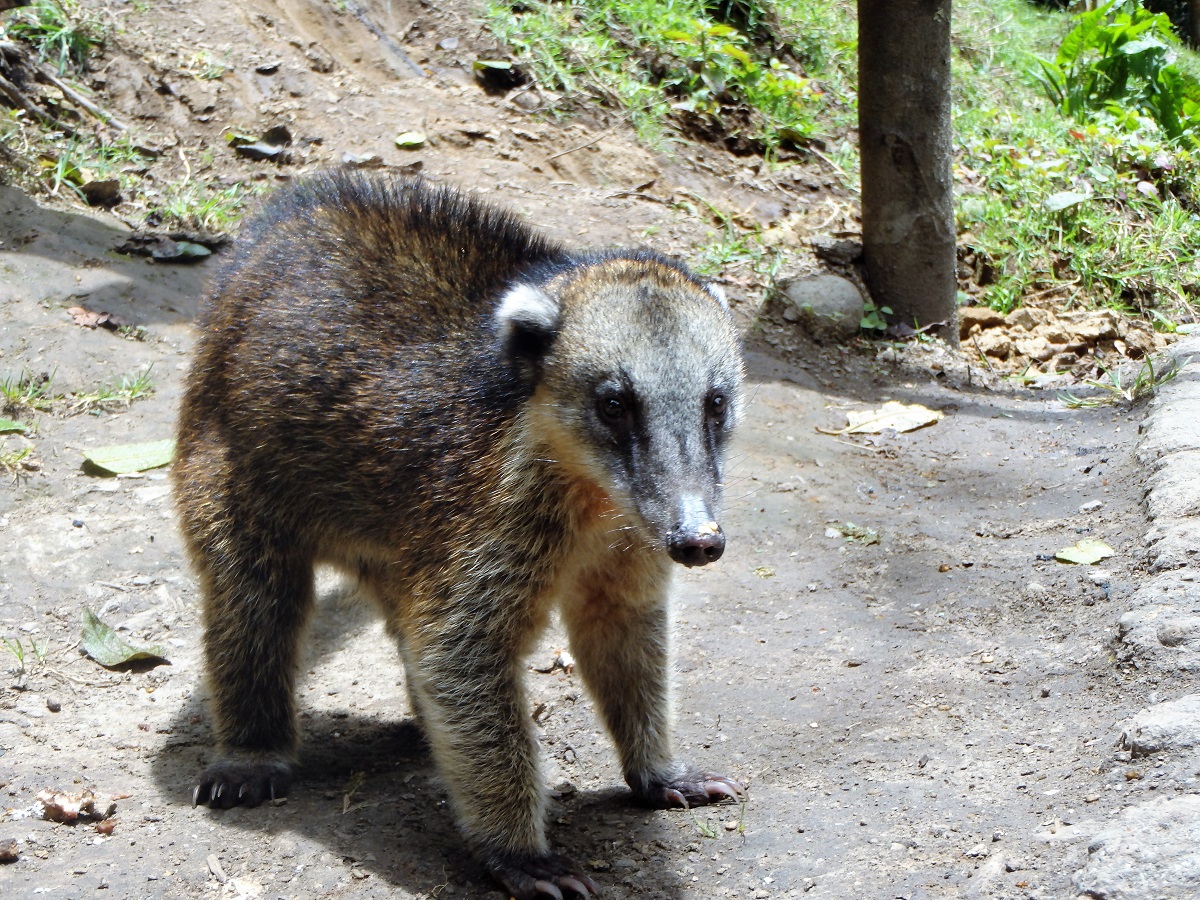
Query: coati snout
x=483 y=428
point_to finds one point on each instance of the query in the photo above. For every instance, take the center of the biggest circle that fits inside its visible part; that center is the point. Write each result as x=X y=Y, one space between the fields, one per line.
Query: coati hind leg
x=466 y=681
x=258 y=593
x=618 y=626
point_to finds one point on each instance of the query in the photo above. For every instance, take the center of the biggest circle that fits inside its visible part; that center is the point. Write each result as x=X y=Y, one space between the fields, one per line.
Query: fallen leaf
x=121 y=459
x=106 y=647
x=1063 y=200
x=765 y=572
x=410 y=140
x=8 y=425
x=893 y=414
x=61 y=806
x=1087 y=552
x=87 y=318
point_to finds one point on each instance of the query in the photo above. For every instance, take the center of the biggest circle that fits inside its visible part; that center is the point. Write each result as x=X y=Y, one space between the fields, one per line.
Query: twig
x=79 y=100
x=982 y=355
x=594 y=140
x=23 y=103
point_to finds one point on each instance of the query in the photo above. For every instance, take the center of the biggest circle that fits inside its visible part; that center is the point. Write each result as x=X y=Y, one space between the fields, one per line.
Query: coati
x=482 y=427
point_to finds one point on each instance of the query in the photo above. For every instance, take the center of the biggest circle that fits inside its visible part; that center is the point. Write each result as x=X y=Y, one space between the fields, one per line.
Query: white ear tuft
x=526 y=321
x=716 y=290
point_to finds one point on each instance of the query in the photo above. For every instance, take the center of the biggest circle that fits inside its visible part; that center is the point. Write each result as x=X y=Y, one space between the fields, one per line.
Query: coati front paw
x=689 y=789
x=536 y=877
x=240 y=781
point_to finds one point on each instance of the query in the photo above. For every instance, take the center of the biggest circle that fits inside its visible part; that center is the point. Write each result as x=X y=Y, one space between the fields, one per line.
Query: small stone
x=731 y=825
x=832 y=533
x=855 y=663
x=979 y=851
x=830 y=307
x=1045 y=692
x=599 y=865
x=53 y=704
x=9 y=852
x=970 y=317
x=214 y=866
x=837 y=252
x=624 y=863
x=77 y=523
x=1091 y=506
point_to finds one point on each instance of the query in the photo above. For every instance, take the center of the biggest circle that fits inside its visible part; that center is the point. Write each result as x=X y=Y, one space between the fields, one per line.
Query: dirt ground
x=933 y=715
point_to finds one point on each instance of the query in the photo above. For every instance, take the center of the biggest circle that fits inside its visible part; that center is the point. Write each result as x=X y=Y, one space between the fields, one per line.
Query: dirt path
x=933 y=715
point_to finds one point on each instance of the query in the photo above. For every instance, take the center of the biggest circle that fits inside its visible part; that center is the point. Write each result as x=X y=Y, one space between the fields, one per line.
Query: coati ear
x=718 y=292
x=527 y=321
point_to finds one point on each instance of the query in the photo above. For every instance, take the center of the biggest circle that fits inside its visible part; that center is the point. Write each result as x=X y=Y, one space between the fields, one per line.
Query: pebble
x=1091 y=506
x=53 y=704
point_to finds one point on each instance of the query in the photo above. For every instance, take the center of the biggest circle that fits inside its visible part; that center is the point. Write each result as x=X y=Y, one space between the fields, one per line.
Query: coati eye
x=611 y=408
x=717 y=406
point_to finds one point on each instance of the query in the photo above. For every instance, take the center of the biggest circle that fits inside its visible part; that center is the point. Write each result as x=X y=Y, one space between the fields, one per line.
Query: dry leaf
x=893 y=414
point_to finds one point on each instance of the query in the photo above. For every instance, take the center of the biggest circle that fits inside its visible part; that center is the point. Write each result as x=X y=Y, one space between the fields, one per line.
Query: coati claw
x=529 y=877
x=240 y=782
x=691 y=789
x=676 y=798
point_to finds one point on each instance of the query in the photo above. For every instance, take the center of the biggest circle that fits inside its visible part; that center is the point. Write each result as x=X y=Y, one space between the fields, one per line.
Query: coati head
x=636 y=372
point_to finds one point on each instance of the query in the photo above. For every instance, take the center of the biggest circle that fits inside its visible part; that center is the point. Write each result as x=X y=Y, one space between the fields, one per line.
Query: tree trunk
x=905 y=145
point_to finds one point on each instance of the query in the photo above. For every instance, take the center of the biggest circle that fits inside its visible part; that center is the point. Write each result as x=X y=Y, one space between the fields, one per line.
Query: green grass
x=1129 y=241
x=192 y=204
x=60 y=30
x=25 y=392
x=679 y=63
x=129 y=388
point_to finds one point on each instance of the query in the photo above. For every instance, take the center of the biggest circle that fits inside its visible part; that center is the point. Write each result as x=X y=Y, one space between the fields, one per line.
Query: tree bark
x=905 y=146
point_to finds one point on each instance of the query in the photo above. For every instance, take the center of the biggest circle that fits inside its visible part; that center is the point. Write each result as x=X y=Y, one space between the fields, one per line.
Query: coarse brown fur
x=481 y=427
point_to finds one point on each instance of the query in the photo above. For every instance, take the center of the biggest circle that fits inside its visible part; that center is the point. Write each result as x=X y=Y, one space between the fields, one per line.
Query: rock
x=1164 y=624
x=1091 y=506
x=1173 y=544
x=971 y=316
x=1174 y=725
x=1152 y=851
x=1037 y=348
x=1139 y=337
x=994 y=343
x=830 y=306
x=1028 y=317
x=1092 y=327
x=1174 y=490
x=837 y=252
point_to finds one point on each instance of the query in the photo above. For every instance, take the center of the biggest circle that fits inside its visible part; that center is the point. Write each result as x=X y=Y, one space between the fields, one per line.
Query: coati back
x=482 y=427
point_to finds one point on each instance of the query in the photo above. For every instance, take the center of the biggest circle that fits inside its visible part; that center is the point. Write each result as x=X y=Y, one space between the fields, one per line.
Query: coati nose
x=697 y=545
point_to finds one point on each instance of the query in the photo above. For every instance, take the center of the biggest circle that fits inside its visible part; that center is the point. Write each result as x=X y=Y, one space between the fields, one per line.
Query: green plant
x=1120 y=59
x=17 y=649
x=26 y=392
x=125 y=392
x=679 y=61
x=1120 y=388
x=60 y=30
x=873 y=317
x=190 y=204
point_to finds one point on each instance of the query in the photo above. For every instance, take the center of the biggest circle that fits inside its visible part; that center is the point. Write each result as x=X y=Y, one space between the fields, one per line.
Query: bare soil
x=931 y=716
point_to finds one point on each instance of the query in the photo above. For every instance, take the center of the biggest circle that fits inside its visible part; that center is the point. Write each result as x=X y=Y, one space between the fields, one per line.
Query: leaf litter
x=102 y=643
